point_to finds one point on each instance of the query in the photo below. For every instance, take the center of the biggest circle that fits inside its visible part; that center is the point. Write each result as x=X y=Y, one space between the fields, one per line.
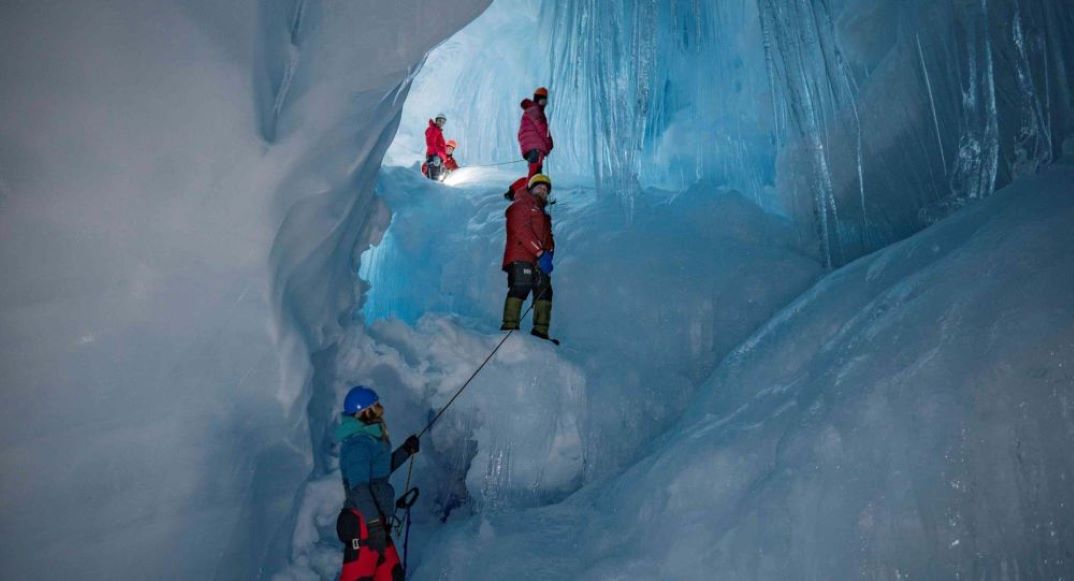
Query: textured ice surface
x=908 y=417
x=179 y=183
x=477 y=78
x=642 y=93
x=541 y=421
x=890 y=114
x=186 y=189
x=863 y=120
x=674 y=289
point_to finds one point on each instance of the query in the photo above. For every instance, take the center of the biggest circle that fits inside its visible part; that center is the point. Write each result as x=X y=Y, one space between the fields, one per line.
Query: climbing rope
x=405 y=522
x=444 y=408
x=465 y=385
x=476 y=372
x=406 y=541
x=494 y=164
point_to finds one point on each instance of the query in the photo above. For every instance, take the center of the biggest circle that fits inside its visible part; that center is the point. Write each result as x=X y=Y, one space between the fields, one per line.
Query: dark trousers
x=524 y=278
x=435 y=167
x=536 y=160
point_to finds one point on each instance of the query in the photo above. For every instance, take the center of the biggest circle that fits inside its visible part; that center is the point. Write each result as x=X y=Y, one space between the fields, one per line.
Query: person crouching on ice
x=450 y=164
x=527 y=257
x=366 y=460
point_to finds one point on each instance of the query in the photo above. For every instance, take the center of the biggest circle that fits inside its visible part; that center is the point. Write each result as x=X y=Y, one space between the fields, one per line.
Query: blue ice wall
x=865 y=121
x=907 y=417
x=877 y=118
x=643 y=94
x=804 y=107
x=478 y=78
x=182 y=188
x=662 y=93
x=892 y=114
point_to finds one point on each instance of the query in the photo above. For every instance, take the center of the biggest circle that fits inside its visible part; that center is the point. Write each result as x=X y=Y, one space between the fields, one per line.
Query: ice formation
x=688 y=122
x=813 y=284
x=894 y=422
x=179 y=183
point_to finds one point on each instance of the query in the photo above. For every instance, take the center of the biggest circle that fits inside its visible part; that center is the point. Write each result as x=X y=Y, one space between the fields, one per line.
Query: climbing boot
x=512 y=314
x=542 y=318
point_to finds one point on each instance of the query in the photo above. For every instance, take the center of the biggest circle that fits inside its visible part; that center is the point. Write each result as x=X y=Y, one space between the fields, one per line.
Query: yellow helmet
x=540 y=179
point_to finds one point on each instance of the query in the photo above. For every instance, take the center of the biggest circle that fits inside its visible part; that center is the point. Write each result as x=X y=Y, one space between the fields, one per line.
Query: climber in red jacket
x=450 y=164
x=435 y=147
x=534 y=138
x=527 y=257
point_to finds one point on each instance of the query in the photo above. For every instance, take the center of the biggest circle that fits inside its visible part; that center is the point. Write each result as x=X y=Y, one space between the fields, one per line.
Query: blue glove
x=544 y=262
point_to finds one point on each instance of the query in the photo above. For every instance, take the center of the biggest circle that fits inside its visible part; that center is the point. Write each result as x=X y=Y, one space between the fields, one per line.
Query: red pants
x=362 y=561
x=373 y=566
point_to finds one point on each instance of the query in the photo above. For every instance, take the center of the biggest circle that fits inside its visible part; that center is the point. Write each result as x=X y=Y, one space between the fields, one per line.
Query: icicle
x=1034 y=124
x=932 y=101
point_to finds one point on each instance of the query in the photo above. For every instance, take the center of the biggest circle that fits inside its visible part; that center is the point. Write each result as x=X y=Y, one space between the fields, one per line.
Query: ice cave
x=814 y=287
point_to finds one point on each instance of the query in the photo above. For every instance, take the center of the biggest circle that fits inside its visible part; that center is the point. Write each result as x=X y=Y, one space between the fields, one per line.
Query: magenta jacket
x=533 y=131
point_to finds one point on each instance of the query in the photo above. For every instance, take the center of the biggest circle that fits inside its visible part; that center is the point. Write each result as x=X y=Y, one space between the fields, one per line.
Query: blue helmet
x=359 y=398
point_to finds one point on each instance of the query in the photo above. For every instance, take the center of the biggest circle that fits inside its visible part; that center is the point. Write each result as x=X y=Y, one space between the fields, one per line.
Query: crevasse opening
x=540 y=423
x=812 y=281
x=719 y=159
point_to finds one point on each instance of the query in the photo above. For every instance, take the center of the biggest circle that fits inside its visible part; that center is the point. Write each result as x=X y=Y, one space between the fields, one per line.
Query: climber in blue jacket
x=366 y=460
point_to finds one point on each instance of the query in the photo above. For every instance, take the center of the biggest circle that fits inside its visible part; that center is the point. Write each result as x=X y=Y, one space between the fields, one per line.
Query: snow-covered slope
x=154 y=357
x=646 y=309
x=909 y=417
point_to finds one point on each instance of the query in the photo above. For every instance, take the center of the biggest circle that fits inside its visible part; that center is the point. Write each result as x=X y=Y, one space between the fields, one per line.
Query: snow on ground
x=908 y=417
x=645 y=307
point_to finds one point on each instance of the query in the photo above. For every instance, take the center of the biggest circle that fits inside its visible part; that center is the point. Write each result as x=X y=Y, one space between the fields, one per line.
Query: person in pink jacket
x=534 y=138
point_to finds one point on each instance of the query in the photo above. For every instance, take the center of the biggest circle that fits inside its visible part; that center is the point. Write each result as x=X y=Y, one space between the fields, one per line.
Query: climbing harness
x=405 y=502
